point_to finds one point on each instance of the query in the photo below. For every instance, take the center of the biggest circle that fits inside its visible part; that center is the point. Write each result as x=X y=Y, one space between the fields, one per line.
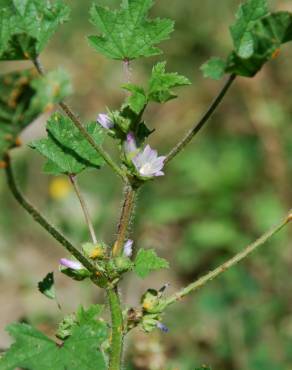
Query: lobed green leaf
x=33 y=350
x=127 y=33
x=67 y=151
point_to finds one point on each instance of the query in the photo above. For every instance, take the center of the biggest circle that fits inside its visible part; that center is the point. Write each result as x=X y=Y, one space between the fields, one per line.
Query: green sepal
x=77 y=275
x=152 y=302
x=94 y=251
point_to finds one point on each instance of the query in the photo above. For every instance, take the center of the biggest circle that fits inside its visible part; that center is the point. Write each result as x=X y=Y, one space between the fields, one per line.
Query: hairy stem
x=41 y=219
x=125 y=218
x=88 y=221
x=74 y=118
x=116 y=350
x=205 y=118
x=228 y=264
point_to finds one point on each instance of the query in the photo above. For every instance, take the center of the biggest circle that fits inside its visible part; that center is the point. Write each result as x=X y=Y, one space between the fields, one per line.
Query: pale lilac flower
x=162 y=327
x=128 y=248
x=130 y=145
x=148 y=164
x=74 y=265
x=104 y=120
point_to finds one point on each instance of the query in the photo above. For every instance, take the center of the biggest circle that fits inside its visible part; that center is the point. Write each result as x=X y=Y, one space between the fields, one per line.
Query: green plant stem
x=41 y=219
x=228 y=264
x=88 y=221
x=205 y=118
x=117 y=330
x=125 y=218
x=74 y=118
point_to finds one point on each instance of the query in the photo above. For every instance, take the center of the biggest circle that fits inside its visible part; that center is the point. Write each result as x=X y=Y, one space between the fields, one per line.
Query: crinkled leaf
x=65 y=132
x=47 y=286
x=65 y=160
x=161 y=83
x=51 y=89
x=20 y=103
x=214 y=68
x=257 y=37
x=27 y=25
x=147 y=261
x=247 y=15
x=127 y=33
x=82 y=317
x=34 y=351
x=67 y=151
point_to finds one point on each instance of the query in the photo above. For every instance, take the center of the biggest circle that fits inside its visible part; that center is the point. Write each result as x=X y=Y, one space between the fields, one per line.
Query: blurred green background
x=228 y=187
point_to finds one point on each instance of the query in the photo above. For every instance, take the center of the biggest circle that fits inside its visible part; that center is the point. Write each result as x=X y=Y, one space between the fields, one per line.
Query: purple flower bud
x=162 y=327
x=104 y=120
x=148 y=164
x=128 y=248
x=130 y=144
x=74 y=265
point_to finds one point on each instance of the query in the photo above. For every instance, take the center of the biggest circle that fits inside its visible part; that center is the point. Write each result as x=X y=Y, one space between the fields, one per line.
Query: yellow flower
x=59 y=188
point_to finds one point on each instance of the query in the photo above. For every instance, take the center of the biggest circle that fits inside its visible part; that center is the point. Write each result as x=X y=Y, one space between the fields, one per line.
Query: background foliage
x=223 y=191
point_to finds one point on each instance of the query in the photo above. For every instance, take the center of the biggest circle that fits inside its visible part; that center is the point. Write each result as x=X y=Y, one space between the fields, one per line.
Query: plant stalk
x=88 y=221
x=117 y=329
x=228 y=264
x=125 y=218
x=36 y=215
x=205 y=118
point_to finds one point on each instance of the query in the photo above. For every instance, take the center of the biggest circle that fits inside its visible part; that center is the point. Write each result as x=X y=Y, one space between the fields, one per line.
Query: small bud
x=162 y=327
x=104 y=120
x=130 y=145
x=74 y=265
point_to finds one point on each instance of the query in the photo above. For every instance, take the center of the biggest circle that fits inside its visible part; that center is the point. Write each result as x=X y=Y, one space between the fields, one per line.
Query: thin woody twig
x=125 y=218
x=228 y=264
x=88 y=221
x=41 y=220
x=205 y=118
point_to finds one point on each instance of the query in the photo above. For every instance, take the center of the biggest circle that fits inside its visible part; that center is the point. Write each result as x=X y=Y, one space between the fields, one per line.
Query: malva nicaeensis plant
x=84 y=340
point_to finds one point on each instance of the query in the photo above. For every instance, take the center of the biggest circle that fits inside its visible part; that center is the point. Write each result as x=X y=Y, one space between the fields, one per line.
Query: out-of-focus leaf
x=248 y=13
x=27 y=26
x=214 y=68
x=51 y=89
x=257 y=37
x=22 y=100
